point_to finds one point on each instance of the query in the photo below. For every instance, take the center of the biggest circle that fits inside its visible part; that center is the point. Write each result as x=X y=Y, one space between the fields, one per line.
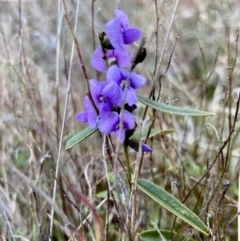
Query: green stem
x=129 y=171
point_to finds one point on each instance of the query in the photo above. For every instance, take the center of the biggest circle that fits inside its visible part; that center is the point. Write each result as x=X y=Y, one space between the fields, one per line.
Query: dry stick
x=135 y=179
x=93 y=25
x=57 y=71
x=37 y=216
x=79 y=57
x=231 y=69
x=166 y=42
x=107 y=184
x=225 y=164
x=156 y=38
x=8 y=224
x=205 y=76
x=229 y=97
x=63 y=122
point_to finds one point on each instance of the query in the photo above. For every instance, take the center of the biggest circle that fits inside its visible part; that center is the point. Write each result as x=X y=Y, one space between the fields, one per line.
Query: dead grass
x=201 y=75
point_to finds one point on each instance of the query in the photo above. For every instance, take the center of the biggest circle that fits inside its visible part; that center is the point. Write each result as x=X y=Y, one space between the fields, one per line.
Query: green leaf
x=154 y=132
x=172 y=204
x=174 y=110
x=80 y=136
x=103 y=194
x=154 y=235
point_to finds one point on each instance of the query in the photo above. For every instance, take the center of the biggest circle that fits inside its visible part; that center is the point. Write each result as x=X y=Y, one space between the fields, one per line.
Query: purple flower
x=119 y=32
x=128 y=122
x=105 y=95
x=146 y=148
x=125 y=79
x=89 y=115
x=122 y=58
x=111 y=123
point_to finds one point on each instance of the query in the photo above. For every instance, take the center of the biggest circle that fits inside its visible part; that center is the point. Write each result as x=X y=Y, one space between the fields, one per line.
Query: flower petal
x=131 y=97
x=113 y=93
x=115 y=34
x=81 y=117
x=91 y=113
x=122 y=18
x=146 y=148
x=105 y=109
x=120 y=134
x=122 y=57
x=96 y=89
x=97 y=61
x=114 y=74
x=128 y=120
x=131 y=34
x=137 y=81
x=108 y=123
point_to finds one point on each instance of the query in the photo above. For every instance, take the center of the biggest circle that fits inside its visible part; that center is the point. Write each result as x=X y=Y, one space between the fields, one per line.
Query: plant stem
x=129 y=171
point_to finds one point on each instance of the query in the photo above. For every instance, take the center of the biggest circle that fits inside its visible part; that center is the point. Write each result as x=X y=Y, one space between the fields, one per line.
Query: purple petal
x=97 y=61
x=91 y=113
x=122 y=57
x=122 y=18
x=130 y=35
x=108 y=123
x=120 y=134
x=137 y=81
x=105 y=109
x=81 y=117
x=114 y=33
x=128 y=120
x=131 y=97
x=96 y=89
x=146 y=148
x=113 y=93
x=114 y=74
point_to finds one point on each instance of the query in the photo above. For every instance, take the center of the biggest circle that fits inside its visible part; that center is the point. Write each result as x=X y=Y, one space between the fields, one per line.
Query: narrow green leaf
x=103 y=194
x=154 y=235
x=154 y=132
x=172 y=204
x=80 y=136
x=174 y=110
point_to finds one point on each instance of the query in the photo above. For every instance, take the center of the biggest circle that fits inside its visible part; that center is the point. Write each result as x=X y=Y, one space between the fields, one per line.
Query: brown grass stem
x=63 y=122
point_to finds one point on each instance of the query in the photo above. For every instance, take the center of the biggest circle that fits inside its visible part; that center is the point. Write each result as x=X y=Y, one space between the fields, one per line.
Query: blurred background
x=34 y=64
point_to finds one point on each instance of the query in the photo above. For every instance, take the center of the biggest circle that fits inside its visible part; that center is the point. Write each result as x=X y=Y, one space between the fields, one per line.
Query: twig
x=135 y=179
x=156 y=38
x=60 y=17
x=205 y=75
x=108 y=186
x=165 y=43
x=8 y=223
x=93 y=25
x=63 y=122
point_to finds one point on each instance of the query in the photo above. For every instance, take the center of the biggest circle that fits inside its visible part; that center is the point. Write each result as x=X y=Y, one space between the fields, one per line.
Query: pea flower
x=114 y=114
x=125 y=79
x=119 y=32
x=128 y=123
x=146 y=148
x=89 y=115
x=105 y=95
x=121 y=57
x=112 y=123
